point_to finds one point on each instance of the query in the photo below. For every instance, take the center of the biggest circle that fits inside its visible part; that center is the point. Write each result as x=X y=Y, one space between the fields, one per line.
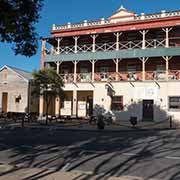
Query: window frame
x=173 y=109
x=120 y=103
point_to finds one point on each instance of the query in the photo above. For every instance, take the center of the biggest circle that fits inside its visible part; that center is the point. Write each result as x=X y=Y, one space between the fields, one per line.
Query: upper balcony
x=112 y=46
x=171 y=75
x=155 y=35
x=111 y=50
x=119 y=70
x=122 y=38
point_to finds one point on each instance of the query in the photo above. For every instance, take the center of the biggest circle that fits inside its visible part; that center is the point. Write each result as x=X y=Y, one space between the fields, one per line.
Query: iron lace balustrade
x=119 y=76
x=68 y=77
x=155 y=75
x=84 y=77
x=174 y=75
x=111 y=46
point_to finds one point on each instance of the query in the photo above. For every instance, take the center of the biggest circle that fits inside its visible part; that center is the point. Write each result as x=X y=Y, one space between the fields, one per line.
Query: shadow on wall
x=156 y=113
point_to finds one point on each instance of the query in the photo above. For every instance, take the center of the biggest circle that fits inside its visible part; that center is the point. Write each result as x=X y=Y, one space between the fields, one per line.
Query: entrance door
x=148 y=110
x=4 y=101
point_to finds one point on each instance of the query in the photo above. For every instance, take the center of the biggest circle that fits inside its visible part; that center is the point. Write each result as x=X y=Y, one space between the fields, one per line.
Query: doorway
x=84 y=103
x=148 y=110
x=4 y=101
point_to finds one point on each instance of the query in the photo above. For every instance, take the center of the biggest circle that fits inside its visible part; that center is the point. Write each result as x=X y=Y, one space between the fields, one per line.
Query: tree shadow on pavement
x=147 y=154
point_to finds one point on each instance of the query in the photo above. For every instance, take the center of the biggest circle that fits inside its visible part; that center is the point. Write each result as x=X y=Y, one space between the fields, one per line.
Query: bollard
x=170 y=121
x=133 y=120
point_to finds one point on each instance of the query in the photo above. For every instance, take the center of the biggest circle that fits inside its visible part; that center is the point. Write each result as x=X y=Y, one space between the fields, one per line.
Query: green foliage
x=48 y=82
x=17 y=20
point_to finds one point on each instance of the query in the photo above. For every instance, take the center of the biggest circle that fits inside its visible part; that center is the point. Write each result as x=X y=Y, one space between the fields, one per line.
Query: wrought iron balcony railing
x=173 y=75
x=112 y=46
x=155 y=75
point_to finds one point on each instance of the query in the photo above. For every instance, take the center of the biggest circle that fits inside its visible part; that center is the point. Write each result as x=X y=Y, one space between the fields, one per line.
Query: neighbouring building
x=16 y=91
x=125 y=65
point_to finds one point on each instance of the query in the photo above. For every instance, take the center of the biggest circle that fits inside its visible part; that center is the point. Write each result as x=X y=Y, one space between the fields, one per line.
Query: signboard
x=146 y=93
x=82 y=106
x=67 y=104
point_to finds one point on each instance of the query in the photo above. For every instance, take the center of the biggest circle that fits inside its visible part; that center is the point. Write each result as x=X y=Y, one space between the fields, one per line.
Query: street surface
x=144 y=154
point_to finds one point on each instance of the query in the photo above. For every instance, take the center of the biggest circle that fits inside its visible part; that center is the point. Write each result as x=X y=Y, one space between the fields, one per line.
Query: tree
x=48 y=84
x=17 y=24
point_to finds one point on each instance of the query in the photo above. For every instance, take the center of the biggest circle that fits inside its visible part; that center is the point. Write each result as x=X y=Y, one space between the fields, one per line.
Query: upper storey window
x=5 y=76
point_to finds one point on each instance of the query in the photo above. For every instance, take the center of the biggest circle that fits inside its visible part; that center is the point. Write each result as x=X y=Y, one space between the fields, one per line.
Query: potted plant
x=100 y=122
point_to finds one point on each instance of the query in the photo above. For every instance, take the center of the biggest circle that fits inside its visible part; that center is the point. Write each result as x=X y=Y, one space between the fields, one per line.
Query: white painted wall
x=14 y=85
x=67 y=108
x=134 y=93
x=81 y=108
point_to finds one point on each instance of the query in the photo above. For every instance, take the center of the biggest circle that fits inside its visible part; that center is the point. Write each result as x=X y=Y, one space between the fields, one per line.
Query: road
x=147 y=154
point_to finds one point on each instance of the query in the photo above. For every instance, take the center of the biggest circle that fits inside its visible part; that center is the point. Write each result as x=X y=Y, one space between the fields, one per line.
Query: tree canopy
x=48 y=80
x=17 y=24
x=49 y=84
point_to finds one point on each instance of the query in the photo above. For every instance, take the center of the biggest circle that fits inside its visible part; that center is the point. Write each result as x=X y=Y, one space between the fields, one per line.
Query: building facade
x=126 y=65
x=15 y=91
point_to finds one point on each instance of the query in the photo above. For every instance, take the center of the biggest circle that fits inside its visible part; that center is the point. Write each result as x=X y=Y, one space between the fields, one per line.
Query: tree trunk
x=47 y=106
x=48 y=100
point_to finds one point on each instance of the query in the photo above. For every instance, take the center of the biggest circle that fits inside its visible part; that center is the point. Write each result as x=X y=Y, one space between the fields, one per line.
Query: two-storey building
x=126 y=65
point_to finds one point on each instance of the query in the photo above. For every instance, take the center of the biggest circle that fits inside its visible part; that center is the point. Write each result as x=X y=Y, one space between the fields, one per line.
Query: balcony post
x=167 y=58
x=43 y=48
x=52 y=49
x=58 y=45
x=116 y=61
x=74 y=103
x=167 y=69
x=167 y=30
x=143 y=60
x=118 y=34
x=75 y=70
x=57 y=68
x=57 y=106
x=144 y=32
x=93 y=68
x=41 y=105
x=76 y=44
x=57 y=99
x=94 y=42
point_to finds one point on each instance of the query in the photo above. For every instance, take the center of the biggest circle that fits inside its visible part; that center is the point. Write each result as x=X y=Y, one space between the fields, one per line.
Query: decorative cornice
x=137 y=18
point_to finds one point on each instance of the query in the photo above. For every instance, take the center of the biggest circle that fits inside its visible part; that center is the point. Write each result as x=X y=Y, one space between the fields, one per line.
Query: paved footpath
x=43 y=174
x=50 y=154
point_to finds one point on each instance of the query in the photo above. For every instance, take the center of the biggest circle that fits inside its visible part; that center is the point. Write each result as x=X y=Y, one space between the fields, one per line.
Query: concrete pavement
x=106 y=154
x=43 y=174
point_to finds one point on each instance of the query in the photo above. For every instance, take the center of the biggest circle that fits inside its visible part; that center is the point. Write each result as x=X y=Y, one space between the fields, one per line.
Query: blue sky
x=63 y=11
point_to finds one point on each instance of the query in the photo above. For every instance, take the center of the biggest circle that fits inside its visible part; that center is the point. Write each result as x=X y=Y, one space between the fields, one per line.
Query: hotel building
x=125 y=65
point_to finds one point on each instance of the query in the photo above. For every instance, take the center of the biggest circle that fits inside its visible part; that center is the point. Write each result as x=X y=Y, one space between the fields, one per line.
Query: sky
x=64 y=11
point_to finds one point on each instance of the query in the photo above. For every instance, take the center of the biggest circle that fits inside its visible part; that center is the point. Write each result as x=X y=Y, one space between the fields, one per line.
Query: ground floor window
x=174 y=102
x=117 y=103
